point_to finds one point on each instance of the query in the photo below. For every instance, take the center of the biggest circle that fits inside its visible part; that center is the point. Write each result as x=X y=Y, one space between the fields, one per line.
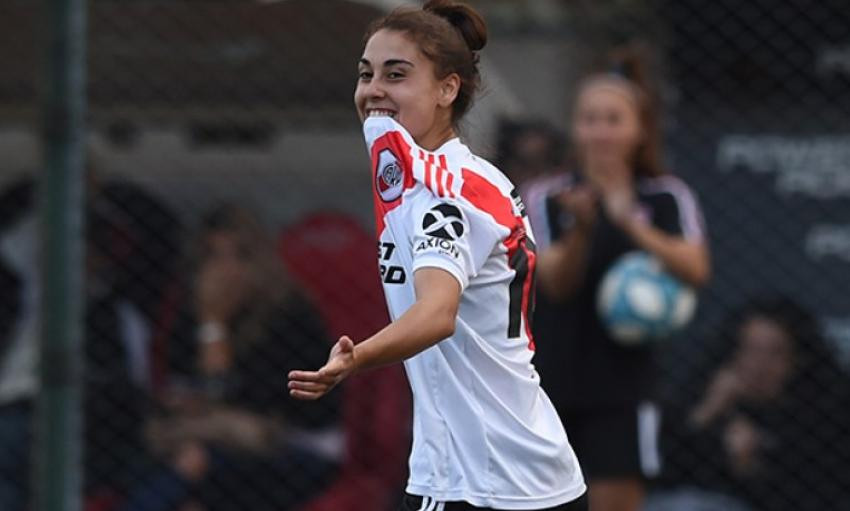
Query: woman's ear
x=449 y=88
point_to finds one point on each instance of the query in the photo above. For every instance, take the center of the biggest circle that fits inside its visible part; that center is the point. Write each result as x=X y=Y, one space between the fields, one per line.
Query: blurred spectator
x=767 y=429
x=126 y=228
x=530 y=149
x=130 y=248
x=19 y=348
x=322 y=250
x=229 y=435
x=618 y=198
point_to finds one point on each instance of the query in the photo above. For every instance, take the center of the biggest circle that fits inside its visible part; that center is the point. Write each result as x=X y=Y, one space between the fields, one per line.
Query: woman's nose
x=374 y=89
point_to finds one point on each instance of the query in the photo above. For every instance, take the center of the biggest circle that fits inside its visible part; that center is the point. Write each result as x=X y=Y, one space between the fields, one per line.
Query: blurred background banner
x=230 y=237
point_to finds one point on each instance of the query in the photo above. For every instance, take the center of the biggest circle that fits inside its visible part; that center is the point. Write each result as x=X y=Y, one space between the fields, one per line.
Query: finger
x=313 y=376
x=308 y=386
x=330 y=373
x=305 y=395
x=346 y=345
x=325 y=377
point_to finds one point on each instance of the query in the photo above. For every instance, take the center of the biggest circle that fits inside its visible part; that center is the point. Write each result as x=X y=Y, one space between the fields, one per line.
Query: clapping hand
x=581 y=202
x=613 y=179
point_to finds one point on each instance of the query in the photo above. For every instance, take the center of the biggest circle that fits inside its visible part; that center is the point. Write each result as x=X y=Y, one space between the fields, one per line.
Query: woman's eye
x=364 y=75
x=395 y=75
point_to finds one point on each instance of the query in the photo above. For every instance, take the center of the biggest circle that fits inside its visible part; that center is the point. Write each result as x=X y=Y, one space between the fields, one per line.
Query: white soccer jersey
x=484 y=430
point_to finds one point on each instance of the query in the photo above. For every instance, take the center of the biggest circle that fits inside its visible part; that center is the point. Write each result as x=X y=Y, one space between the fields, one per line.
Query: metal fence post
x=58 y=439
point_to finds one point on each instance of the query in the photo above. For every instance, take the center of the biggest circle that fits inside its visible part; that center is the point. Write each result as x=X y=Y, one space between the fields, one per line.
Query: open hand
x=311 y=385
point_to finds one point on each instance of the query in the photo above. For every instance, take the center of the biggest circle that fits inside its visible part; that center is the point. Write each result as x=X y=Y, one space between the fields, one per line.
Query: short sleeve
x=675 y=209
x=454 y=236
x=548 y=220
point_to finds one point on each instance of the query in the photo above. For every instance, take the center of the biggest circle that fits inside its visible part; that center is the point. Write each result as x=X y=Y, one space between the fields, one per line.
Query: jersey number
x=520 y=264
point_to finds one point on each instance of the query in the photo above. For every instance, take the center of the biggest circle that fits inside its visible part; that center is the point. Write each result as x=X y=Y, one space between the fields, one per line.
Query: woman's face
x=226 y=247
x=228 y=257
x=765 y=358
x=396 y=79
x=606 y=124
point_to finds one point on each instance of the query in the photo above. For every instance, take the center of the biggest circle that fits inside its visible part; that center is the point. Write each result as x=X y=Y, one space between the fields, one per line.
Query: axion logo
x=443 y=221
x=389 y=176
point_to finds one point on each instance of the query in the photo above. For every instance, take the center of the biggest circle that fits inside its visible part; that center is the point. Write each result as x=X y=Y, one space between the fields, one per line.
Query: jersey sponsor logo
x=390 y=274
x=439 y=245
x=389 y=176
x=444 y=221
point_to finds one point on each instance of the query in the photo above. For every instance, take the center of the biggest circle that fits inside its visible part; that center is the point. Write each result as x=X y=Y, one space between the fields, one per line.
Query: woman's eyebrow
x=389 y=62
x=393 y=62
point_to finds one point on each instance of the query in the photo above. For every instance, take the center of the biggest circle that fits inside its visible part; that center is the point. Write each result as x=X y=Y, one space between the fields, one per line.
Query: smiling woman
x=457 y=262
x=417 y=70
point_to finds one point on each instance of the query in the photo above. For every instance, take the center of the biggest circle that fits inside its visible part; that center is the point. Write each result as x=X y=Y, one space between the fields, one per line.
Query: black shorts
x=414 y=503
x=617 y=443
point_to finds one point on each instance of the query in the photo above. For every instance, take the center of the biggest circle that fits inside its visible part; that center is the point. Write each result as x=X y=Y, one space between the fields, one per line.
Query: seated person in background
x=127 y=228
x=321 y=250
x=765 y=431
x=232 y=437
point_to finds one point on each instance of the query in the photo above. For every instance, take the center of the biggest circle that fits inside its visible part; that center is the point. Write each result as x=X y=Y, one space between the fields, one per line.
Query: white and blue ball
x=639 y=302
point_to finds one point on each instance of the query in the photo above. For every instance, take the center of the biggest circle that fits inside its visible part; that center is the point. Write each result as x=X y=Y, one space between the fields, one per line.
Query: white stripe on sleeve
x=690 y=214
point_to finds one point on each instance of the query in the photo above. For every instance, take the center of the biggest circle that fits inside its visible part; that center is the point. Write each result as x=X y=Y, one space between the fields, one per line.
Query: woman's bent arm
x=430 y=320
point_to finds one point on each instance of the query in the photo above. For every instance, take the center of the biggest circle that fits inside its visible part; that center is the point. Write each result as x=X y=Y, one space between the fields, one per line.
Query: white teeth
x=380 y=113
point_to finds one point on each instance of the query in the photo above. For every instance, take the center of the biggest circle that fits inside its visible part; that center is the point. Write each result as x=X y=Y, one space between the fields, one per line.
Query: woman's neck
x=434 y=139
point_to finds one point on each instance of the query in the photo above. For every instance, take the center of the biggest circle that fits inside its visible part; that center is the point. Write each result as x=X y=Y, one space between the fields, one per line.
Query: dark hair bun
x=463 y=17
x=632 y=61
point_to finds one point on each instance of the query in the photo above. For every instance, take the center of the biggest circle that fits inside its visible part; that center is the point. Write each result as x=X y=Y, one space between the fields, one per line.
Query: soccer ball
x=639 y=302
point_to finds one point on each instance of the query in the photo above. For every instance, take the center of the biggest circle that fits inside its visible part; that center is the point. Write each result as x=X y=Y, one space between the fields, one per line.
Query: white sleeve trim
x=690 y=215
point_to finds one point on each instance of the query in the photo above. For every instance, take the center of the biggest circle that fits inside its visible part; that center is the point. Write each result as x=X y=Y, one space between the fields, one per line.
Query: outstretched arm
x=430 y=320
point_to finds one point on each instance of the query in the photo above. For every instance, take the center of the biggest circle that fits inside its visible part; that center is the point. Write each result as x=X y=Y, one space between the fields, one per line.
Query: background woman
x=226 y=417
x=617 y=199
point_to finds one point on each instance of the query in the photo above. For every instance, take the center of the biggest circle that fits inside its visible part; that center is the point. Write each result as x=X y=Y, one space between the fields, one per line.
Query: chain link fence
x=229 y=239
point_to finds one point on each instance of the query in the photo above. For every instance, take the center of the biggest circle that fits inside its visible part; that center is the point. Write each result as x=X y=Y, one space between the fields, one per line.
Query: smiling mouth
x=378 y=112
